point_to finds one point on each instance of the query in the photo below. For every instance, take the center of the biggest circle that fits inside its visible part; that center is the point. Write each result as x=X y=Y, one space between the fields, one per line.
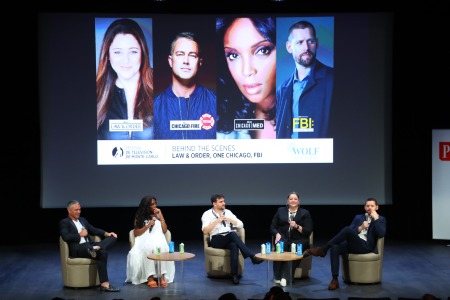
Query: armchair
x=78 y=272
x=363 y=268
x=217 y=261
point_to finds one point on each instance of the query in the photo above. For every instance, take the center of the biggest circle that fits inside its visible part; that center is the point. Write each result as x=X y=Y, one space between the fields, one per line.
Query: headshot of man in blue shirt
x=304 y=99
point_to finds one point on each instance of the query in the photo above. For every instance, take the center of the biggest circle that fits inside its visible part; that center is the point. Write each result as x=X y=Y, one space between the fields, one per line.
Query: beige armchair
x=78 y=272
x=131 y=237
x=217 y=261
x=363 y=268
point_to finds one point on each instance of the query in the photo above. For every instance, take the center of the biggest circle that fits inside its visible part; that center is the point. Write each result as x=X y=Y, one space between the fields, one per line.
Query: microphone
x=368 y=217
x=223 y=222
x=291 y=216
x=146 y=223
x=151 y=227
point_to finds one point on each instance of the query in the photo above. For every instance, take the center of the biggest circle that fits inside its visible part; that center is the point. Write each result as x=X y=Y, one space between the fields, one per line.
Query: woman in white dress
x=149 y=230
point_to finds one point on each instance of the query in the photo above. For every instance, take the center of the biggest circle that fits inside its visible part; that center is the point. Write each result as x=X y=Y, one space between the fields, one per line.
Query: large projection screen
x=353 y=162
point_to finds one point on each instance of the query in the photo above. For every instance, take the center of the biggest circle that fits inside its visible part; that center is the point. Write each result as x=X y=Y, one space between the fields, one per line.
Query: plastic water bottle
x=263 y=248
x=282 y=247
x=293 y=246
x=181 y=248
x=171 y=247
x=267 y=248
x=299 y=249
x=158 y=250
x=278 y=247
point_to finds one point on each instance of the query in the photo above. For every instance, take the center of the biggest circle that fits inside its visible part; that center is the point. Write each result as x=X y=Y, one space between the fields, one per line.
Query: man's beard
x=305 y=63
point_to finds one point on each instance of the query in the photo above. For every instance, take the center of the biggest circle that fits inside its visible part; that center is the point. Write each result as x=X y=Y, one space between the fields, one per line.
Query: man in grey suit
x=75 y=230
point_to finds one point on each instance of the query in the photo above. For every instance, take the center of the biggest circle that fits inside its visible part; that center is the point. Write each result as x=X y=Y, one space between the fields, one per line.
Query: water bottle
x=171 y=247
x=299 y=249
x=267 y=248
x=281 y=246
x=181 y=248
x=278 y=247
x=158 y=250
x=263 y=248
x=293 y=246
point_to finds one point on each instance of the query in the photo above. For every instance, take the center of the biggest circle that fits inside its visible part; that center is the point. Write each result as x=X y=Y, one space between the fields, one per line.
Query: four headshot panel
x=206 y=77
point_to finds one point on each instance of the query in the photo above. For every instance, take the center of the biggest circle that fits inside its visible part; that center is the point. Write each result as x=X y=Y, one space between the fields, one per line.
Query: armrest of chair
x=206 y=240
x=95 y=238
x=241 y=233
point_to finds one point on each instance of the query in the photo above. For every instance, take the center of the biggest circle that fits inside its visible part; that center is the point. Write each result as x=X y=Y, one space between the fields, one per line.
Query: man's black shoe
x=110 y=288
x=319 y=251
x=235 y=279
x=92 y=252
x=256 y=260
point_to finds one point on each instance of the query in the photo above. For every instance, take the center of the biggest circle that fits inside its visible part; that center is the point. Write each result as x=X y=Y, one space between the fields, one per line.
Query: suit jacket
x=69 y=233
x=376 y=229
x=280 y=224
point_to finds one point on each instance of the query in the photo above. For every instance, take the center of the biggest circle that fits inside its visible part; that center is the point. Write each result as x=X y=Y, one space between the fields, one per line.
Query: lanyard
x=215 y=215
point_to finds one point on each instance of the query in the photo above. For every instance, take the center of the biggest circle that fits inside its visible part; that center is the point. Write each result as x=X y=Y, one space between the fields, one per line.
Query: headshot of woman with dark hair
x=246 y=76
x=124 y=82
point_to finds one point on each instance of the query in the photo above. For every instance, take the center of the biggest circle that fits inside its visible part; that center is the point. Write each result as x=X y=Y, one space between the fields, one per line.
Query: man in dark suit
x=358 y=238
x=75 y=230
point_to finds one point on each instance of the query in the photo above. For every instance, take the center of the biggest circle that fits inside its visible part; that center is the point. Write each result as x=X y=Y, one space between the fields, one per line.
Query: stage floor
x=409 y=270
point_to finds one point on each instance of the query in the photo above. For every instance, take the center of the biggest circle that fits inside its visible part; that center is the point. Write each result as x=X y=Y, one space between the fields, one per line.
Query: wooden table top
x=285 y=256
x=175 y=256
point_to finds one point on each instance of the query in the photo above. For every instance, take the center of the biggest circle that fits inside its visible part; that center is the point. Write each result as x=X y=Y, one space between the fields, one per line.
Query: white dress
x=139 y=267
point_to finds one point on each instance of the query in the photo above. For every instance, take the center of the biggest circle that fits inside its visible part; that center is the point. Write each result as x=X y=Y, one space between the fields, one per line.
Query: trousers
x=234 y=243
x=346 y=241
x=102 y=255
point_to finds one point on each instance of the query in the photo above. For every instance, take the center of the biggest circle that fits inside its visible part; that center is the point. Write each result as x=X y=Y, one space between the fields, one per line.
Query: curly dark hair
x=144 y=211
x=231 y=104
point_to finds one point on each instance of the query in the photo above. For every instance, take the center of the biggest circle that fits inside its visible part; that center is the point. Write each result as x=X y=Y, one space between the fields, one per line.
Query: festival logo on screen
x=117 y=152
x=444 y=151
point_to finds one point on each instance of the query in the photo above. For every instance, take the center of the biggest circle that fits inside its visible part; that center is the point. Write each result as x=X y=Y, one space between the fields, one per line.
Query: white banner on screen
x=252 y=151
x=441 y=183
